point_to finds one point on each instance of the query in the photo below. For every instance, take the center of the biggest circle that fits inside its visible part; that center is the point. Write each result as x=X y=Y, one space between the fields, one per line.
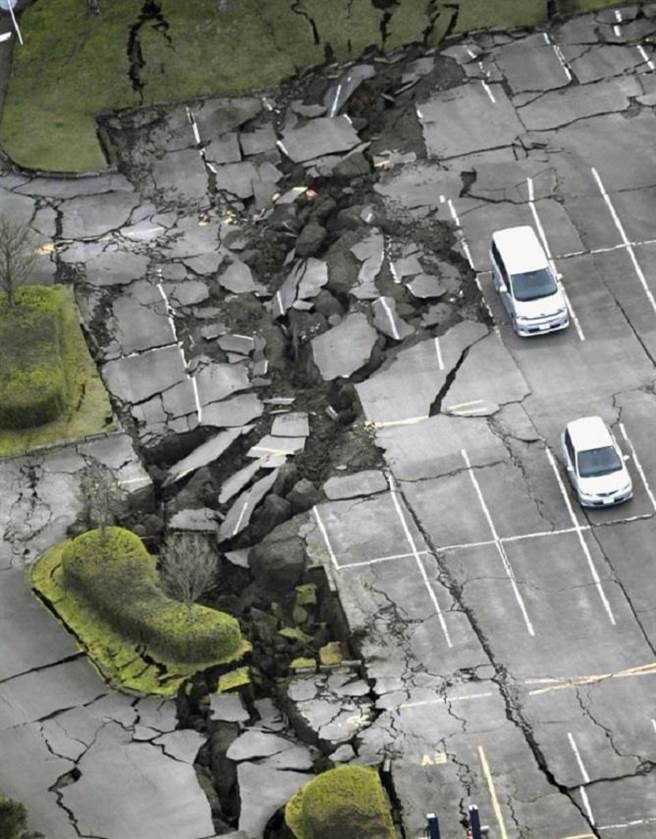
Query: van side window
x=499 y=262
x=570 y=448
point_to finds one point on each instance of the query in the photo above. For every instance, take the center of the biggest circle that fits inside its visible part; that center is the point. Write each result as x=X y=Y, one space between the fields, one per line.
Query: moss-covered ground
x=126 y=663
x=46 y=371
x=75 y=65
x=349 y=796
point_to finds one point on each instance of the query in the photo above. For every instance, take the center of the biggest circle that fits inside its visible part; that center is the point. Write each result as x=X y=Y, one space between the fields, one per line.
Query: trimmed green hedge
x=120 y=582
x=351 y=797
x=33 y=386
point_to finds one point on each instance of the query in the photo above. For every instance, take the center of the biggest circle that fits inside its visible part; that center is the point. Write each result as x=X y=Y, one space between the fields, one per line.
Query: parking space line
x=633 y=823
x=420 y=565
x=559 y=56
x=579 y=532
x=486 y=88
x=465 y=246
x=499 y=545
x=647 y=59
x=388 y=312
x=625 y=239
x=638 y=466
x=653 y=723
x=493 y=794
x=443 y=700
x=438 y=352
x=584 y=775
x=331 y=553
x=378 y=559
x=538 y=224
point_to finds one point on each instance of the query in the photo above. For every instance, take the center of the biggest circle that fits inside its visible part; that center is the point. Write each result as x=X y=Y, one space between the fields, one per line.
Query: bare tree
x=188 y=567
x=17 y=255
x=100 y=490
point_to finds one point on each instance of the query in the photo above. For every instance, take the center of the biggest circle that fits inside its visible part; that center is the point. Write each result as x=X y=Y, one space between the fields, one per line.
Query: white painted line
x=500 y=549
x=547 y=40
x=240 y=519
x=420 y=703
x=333 y=558
x=493 y=794
x=393 y=423
x=470 y=52
x=459 y=405
x=584 y=775
x=634 y=823
x=465 y=246
x=169 y=314
x=624 y=237
x=333 y=109
x=15 y=22
x=638 y=465
x=545 y=243
x=378 y=559
x=5 y=36
x=647 y=59
x=280 y=145
x=653 y=724
x=419 y=113
x=616 y=29
x=487 y=89
x=420 y=564
x=582 y=542
x=199 y=410
x=438 y=352
x=390 y=318
x=563 y=62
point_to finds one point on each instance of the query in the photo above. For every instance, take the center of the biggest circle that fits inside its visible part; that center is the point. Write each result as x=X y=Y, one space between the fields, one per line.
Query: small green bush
x=119 y=581
x=33 y=386
x=13 y=821
x=351 y=797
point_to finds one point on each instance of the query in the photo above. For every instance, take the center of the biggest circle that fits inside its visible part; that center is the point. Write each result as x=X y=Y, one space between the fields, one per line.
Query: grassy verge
x=75 y=65
x=125 y=662
x=42 y=334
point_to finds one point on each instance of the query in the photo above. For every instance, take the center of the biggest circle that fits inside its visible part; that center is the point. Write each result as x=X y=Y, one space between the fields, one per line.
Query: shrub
x=119 y=580
x=349 y=796
x=13 y=821
x=33 y=386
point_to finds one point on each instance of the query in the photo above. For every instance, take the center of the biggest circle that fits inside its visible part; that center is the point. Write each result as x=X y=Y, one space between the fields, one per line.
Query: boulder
x=309 y=242
x=303 y=496
x=279 y=565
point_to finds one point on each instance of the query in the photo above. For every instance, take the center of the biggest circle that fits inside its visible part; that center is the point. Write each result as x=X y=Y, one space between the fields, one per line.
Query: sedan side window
x=499 y=262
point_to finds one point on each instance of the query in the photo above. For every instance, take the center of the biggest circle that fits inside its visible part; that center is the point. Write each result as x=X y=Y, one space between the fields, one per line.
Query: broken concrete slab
x=215 y=381
x=262 y=791
x=228 y=707
x=238 y=481
x=345 y=348
x=358 y=484
x=339 y=93
x=319 y=137
x=187 y=293
x=115 y=267
x=242 y=344
x=241 y=511
x=206 y=453
x=171 y=801
x=387 y=321
x=294 y=424
x=426 y=287
x=270 y=446
x=135 y=378
x=202 y=520
x=313 y=278
x=86 y=217
x=183 y=744
x=258 y=141
x=371 y=253
x=255 y=744
x=239 y=410
x=238 y=278
x=451 y=120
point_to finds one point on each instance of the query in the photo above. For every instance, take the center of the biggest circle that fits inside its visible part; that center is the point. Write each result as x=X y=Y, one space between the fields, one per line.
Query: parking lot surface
x=510 y=634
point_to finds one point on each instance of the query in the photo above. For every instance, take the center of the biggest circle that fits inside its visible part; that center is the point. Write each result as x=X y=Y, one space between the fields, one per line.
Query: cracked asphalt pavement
x=506 y=636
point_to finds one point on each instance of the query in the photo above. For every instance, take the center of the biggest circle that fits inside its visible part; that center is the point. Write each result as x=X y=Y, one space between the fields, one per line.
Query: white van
x=595 y=463
x=526 y=283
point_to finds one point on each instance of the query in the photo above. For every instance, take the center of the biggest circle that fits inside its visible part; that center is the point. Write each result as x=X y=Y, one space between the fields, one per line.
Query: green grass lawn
x=46 y=372
x=75 y=65
x=126 y=578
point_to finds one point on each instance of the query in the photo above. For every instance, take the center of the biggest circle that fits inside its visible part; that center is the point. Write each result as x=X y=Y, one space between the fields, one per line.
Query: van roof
x=520 y=249
x=589 y=433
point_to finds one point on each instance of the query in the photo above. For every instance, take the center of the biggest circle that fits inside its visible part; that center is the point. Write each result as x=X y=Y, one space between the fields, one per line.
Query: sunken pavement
x=289 y=301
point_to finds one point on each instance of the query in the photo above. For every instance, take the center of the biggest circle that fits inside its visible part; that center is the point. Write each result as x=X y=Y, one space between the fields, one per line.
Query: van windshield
x=533 y=284
x=593 y=463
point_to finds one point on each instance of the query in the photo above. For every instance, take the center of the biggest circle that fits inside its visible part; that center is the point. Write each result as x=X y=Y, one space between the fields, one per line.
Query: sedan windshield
x=533 y=284
x=596 y=462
